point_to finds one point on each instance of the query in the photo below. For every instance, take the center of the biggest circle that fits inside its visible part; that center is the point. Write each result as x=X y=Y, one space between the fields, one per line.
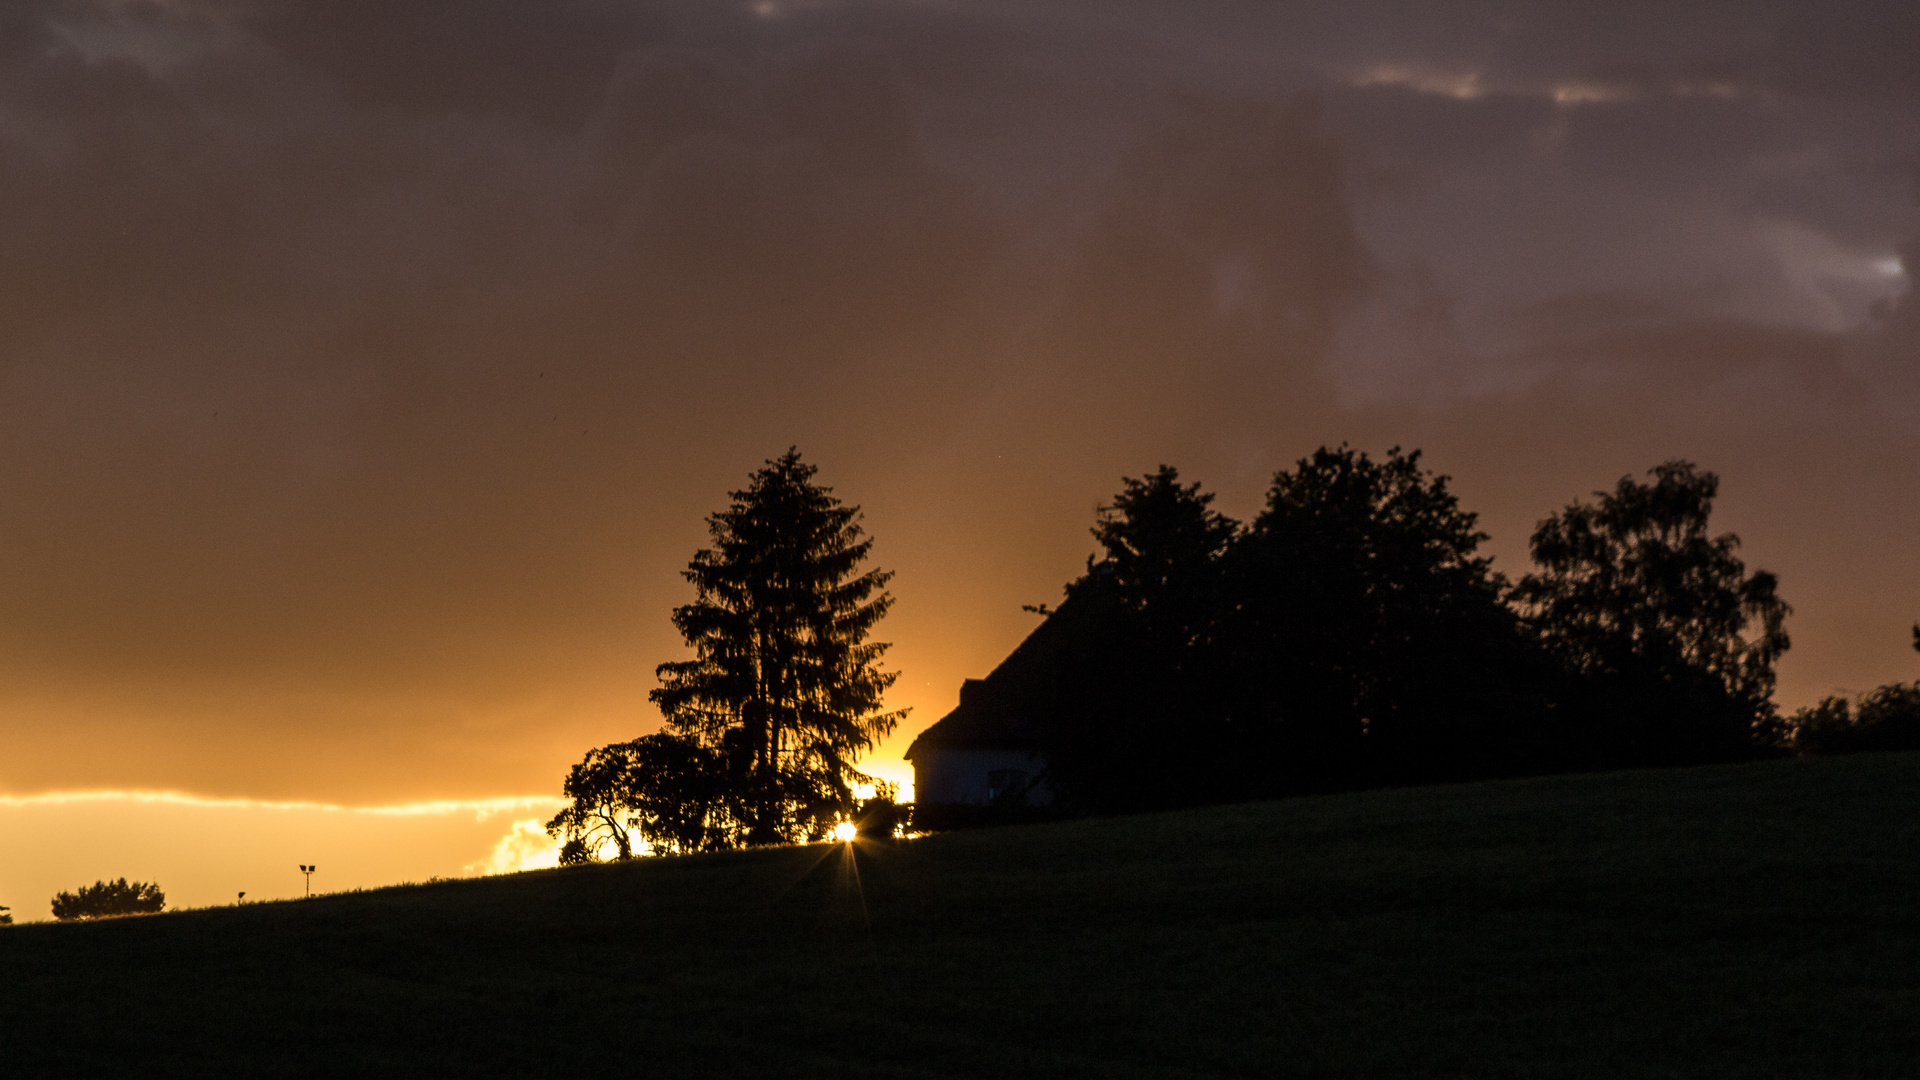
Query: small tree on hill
x=601 y=790
x=664 y=789
x=784 y=687
x=107 y=899
x=6 y=919
x=678 y=794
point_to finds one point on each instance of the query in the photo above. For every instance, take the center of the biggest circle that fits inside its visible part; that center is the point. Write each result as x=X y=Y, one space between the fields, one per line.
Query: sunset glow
x=369 y=372
x=206 y=851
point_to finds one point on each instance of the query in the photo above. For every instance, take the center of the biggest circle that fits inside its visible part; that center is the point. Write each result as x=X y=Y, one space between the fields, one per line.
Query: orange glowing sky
x=367 y=370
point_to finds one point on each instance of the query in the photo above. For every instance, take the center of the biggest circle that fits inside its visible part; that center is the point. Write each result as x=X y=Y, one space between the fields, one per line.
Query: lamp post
x=308 y=870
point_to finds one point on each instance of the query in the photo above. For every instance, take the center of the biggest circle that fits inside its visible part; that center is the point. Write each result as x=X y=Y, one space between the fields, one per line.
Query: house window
x=1006 y=783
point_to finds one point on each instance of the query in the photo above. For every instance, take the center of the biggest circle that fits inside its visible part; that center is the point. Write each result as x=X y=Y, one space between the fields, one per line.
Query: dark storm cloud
x=365 y=377
x=366 y=368
x=545 y=63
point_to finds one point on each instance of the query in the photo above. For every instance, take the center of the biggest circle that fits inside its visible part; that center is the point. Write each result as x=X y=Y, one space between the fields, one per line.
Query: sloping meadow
x=1753 y=920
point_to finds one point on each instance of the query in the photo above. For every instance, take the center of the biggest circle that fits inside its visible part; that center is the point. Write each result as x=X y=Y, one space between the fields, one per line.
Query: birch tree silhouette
x=1675 y=639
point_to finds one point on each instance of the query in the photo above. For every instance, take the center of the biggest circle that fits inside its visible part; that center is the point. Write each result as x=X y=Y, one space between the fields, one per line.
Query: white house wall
x=962 y=776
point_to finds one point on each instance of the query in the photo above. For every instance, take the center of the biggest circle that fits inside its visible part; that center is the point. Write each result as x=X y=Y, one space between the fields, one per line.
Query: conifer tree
x=784 y=684
x=1130 y=683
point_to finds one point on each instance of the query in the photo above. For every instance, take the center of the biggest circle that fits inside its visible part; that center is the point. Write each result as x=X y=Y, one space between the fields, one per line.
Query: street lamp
x=308 y=870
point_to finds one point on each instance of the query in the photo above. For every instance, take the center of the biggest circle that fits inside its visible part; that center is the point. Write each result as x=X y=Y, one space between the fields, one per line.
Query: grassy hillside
x=1749 y=921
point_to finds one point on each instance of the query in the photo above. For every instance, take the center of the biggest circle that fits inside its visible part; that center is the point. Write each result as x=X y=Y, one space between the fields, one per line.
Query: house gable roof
x=1001 y=711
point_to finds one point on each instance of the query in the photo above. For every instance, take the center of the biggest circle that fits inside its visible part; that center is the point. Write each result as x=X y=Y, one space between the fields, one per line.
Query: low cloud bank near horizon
x=205 y=852
x=367 y=370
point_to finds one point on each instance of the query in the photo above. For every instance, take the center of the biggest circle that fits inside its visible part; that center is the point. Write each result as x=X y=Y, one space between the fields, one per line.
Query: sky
x=368 y=370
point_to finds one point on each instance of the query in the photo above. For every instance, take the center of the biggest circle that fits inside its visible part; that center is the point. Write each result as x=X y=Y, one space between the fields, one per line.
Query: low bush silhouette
x=1885 y=718
x=108 y=899
x=880 y=819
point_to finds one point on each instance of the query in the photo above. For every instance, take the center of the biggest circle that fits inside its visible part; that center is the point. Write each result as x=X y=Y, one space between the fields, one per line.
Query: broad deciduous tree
x=1351 y=635
x=602 y=809
x=1661 y=619
x=1371 y=637
x=663 y=789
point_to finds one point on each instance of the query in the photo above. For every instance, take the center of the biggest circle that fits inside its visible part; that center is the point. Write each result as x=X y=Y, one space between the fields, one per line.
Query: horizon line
x=485 y=807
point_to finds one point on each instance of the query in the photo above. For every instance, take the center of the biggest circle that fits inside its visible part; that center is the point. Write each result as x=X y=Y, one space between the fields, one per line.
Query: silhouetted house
x=988 y=751
x=982 y=752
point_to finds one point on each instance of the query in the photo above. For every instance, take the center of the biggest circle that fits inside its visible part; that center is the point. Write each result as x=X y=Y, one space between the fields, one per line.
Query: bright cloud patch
x=525 y=847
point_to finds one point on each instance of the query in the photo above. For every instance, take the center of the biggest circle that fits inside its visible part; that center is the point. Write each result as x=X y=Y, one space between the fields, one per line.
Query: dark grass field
x=1752 y=921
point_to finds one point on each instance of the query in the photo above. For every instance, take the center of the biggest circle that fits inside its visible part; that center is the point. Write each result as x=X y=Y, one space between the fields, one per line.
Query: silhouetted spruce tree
x=1133 y=689
x=784 y=687
x=1371 y=640
x=1673 y=641
x=107 y=899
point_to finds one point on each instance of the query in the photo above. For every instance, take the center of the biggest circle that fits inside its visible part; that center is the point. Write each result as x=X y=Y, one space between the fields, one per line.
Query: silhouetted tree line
x=781 y=697
x=1352 y=635
x=1884 y=718
x=109 y=899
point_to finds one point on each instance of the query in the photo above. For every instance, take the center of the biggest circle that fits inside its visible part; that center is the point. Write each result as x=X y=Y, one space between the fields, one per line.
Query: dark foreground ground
x=1755 y=921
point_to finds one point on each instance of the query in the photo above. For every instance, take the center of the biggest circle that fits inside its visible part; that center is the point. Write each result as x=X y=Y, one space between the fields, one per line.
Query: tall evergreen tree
x=784 y=683
x=1134 y=687
x=1164 y=544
